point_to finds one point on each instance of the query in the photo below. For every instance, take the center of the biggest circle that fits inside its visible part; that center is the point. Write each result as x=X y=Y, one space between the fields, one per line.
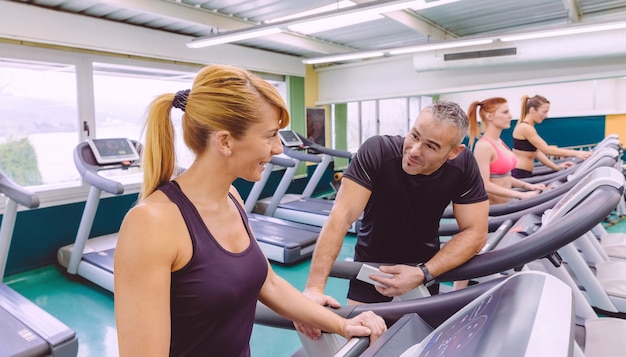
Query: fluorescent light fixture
x=344 y=57
x=564 y=32
x=439 y=46
x=233 y=36
x=334 y=22
x=318 y=22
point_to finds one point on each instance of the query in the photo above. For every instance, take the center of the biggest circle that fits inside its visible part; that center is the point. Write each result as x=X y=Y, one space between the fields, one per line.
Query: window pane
x=369 y=119
x=393 y=116
x=354 y=141
x=38 y=121
x=122 y=95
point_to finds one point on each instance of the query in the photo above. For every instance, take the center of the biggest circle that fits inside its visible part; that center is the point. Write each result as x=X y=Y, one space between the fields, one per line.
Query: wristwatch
x=428 y=278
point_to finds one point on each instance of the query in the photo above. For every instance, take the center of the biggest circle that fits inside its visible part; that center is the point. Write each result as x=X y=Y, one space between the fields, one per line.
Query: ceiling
x=464 y=19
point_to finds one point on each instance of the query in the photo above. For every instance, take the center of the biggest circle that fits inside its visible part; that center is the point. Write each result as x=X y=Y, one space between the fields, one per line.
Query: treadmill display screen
x=290 y=138
x=113 y=150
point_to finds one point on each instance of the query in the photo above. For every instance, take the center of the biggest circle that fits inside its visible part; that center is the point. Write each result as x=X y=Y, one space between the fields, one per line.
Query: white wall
x=593 y=97
x=580 y=75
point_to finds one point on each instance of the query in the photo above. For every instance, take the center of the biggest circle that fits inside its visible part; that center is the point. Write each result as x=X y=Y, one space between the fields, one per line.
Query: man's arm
x=474 y=226
x=349 y=204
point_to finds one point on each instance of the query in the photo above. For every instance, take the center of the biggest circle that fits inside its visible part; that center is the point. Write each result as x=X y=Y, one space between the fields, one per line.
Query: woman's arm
x=143 y=261
x=287 y=301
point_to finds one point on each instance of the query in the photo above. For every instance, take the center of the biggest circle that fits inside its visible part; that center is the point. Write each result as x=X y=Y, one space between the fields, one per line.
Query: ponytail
x=474 y=130
x=159 y=156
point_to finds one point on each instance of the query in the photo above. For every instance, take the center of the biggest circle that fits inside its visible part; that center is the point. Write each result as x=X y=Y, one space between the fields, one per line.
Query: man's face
x=428 y=145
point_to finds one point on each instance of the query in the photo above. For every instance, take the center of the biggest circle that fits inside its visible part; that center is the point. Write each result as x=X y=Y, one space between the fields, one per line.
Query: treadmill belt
x=282 y=235
x=313 y=205
x=103 y=259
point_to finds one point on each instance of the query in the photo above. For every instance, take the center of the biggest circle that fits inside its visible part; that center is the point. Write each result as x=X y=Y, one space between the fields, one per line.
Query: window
x=122 y=95
x=393 y=116
x=354 y=126
x=38 y=121
x=369 y=119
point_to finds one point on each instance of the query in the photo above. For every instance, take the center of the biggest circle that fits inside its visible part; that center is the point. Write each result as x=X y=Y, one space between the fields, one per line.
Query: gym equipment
x=602 y=189
x=475 y=321
x=303 y=208
x=93 y=258
x=25 y=328
x=557 y=187
x=281 y=240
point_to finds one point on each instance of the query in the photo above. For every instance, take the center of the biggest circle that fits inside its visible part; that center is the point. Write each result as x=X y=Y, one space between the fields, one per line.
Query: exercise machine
x=92 y=258
x=302 y=207
x=281 y=240
x=25 y=328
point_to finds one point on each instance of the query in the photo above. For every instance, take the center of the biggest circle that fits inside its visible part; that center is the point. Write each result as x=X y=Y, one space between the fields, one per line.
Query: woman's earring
x=228 y=153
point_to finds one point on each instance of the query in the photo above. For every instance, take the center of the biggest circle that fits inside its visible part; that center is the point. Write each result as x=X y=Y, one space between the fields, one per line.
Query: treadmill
x=280 y=240
x=93 y=258
x=303 y=208
x=528 y=244
x=557 y=187
x=25 y=328
x=475 y=321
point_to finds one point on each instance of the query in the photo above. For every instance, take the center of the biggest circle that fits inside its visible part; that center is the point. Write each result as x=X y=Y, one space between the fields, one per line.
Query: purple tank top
x=213 y=298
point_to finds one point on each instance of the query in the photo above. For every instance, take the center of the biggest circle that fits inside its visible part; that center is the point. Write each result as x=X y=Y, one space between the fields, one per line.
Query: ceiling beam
x=574 y=13
x=416 y=22
x=421 y=25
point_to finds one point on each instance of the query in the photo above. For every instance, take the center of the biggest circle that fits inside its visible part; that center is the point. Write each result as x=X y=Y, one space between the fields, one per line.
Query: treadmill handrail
x=282 y=161
x=576 y=175
x=17 y=193
x=433 y=309
x=324 y=150
x=537 y=245
x=301 y=155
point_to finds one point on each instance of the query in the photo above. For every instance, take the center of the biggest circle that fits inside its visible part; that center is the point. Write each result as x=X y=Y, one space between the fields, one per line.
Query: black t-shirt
x=401 y=219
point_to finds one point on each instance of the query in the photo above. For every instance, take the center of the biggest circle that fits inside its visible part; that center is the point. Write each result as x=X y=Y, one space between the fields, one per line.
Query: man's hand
x=324 y=300
x=406 y=278
x=365 y=324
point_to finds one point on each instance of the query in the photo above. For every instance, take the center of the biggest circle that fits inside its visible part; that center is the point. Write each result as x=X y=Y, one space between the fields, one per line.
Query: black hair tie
x=180 y=99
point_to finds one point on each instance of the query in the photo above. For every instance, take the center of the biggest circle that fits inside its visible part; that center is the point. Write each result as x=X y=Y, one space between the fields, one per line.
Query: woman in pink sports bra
x=495 y=159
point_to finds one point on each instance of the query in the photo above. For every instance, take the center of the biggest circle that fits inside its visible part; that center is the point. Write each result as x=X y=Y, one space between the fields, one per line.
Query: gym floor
x=88 y=309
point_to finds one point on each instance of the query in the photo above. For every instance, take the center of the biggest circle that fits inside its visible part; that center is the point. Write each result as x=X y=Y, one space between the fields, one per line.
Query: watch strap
x=428 y=277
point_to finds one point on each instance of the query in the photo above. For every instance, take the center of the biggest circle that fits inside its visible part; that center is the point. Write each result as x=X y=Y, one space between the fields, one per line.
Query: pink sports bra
x=504 y=162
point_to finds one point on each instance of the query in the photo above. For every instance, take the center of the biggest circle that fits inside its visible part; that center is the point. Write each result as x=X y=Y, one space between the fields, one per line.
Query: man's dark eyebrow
x=433 y=143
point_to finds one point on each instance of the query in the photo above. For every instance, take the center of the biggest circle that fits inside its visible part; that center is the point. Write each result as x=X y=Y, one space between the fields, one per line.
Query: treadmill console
x=290 y=138
x=113 y=150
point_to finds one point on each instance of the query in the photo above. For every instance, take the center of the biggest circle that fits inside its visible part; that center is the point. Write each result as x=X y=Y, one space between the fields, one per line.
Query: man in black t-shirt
x=402 y=186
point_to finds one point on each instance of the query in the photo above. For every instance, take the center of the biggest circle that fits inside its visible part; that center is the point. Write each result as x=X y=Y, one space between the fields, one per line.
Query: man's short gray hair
x=451 y=114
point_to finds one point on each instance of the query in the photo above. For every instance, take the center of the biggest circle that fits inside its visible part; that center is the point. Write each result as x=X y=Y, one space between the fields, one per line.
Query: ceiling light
x=564 y=32
x=233 y=36
x=344 y=57
x=439 y=46
x=318 y=22
x=334 y=22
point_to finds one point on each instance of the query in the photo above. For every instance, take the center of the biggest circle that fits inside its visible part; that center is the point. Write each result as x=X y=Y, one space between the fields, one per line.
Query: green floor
x=88 y=309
